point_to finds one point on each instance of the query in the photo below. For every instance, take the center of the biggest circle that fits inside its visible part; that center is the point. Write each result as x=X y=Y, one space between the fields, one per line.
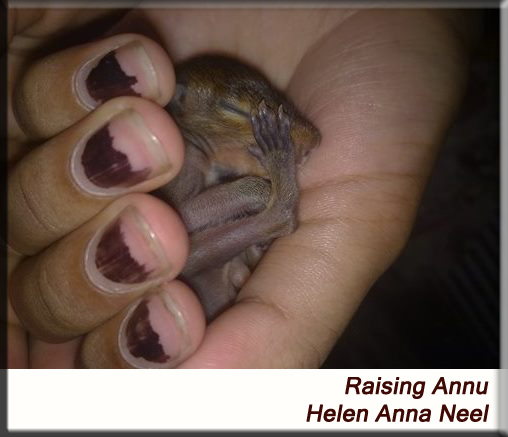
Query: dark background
x=438 y=305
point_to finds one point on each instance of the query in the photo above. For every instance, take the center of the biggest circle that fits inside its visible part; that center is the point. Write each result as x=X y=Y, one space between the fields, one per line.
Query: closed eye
x=227 y=106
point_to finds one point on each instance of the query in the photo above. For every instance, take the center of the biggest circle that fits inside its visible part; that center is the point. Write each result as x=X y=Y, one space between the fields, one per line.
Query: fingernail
x=126 y=254
x=124 y=71
x=153 y=333
x=119 y=155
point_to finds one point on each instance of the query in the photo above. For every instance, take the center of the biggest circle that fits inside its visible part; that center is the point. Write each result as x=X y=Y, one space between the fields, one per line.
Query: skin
x=381 y=86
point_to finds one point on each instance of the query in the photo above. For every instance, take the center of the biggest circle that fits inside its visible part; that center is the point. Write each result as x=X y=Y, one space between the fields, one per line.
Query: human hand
x=84 y=241
x=382 y=87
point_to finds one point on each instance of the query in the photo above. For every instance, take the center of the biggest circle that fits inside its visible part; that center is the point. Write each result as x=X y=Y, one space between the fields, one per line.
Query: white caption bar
x=252 y=399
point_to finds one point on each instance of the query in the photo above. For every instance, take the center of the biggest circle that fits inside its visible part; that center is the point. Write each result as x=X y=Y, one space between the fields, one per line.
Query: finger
x=92 y=273
x=158 y=331
x=17 y=346
x=17 y=352
x=54 y=356
x=60 y=89
x=382 y=114
x=33 y=31
x=17 y=341
x=128 y=144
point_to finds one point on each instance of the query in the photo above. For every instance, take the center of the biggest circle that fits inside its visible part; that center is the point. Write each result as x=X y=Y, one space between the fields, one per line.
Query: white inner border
x=228 y=399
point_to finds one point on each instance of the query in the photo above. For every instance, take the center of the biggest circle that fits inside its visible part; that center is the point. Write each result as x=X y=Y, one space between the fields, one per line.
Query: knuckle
x=30 y=220
x=32 y=204
x=30 y=290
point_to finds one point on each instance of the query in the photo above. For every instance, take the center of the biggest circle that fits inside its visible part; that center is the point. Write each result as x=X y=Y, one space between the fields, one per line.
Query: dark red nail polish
x=107 y=80
x=123 y=71
x=107 y=167
x=114 y=260
x=119 y=155
x=142 y=340
x=126 y=255
x=154 y=333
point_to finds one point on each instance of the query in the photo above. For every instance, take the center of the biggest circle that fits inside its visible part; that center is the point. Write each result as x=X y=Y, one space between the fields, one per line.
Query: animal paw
x=272 y=134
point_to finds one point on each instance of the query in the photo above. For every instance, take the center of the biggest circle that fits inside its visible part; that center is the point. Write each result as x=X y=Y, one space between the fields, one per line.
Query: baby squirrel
x=237 y=190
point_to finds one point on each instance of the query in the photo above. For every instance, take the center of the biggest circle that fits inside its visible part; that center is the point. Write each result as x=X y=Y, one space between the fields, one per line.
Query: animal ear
x=180 y=92
x=176 y=103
